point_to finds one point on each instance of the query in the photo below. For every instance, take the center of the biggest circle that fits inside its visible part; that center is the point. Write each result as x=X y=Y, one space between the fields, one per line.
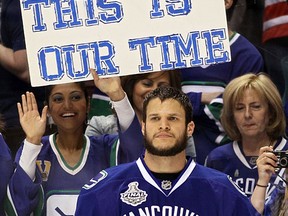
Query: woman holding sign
x=52 y=169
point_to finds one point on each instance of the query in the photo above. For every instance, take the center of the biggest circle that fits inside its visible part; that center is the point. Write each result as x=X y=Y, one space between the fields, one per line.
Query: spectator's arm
x=266 y=164
x=15 y=62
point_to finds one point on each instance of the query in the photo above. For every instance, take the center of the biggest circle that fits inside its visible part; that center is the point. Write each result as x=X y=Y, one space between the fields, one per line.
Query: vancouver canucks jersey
x=57 y=185
x=230 y=159
x=214 y=78
x=6 y=169
x=132 y=190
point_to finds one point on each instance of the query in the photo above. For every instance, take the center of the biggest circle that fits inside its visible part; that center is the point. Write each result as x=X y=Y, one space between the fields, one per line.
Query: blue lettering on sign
x=213 y=41
x=163 y=41
x=156 y=12
x=143 y=44
x=67 y=14
x=42 y=54
x=212 y=47
x=115 y=7
x=61 y=10
x=112 y=12
x=38 y=18
x=188 y=48
x=173 y=8
x=186 y=53
x=82 y=49
x=65 y=63
x=101 y=60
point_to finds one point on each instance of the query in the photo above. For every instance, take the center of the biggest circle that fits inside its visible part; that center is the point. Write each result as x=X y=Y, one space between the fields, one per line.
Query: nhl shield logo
x=166 y=184
x=133 y=196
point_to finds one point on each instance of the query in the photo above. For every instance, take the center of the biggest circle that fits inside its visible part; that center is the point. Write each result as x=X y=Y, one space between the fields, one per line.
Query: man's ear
x=190 y=128
x=228 y=4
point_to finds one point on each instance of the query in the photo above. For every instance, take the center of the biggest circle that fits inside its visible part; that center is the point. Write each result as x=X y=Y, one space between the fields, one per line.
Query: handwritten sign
x=64 y=38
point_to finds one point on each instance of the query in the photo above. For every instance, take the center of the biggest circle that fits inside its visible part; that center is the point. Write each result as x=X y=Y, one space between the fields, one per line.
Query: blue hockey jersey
x=209 y=132
x=273 y=202
x=230 y=159
x=132 y=190
x=6 y=169
x=57 y=185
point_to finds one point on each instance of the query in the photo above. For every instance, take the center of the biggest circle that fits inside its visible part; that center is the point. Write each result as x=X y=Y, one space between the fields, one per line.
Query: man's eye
x=154 y=118
x=172 y=118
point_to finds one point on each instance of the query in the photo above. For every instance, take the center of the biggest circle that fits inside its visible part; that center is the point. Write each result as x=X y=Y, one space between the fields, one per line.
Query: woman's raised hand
x=32 y=123
x=110 y=86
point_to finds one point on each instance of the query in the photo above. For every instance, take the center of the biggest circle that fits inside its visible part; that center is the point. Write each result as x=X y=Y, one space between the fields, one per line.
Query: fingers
x=24 y=103
x=94 y=74
x=29 y=103
x=20 y=112
x=265 y=149
x=267 y=161
x=95 y=77
x=33 y=101
x=44 y=113
x=267 y=156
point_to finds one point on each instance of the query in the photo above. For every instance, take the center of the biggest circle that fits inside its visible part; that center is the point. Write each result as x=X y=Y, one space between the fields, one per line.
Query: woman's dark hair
x=49 y=88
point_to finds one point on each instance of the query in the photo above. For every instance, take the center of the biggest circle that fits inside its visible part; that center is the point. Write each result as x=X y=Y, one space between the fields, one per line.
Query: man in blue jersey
x=163 y=181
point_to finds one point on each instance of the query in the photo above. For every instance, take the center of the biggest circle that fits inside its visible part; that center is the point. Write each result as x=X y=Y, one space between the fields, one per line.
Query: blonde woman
x=253 y=117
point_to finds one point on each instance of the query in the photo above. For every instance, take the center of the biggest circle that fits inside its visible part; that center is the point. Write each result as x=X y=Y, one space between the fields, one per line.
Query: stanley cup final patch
x=133 y=196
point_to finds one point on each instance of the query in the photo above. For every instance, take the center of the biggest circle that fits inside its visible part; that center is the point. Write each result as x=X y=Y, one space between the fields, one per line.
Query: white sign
x=64 y=38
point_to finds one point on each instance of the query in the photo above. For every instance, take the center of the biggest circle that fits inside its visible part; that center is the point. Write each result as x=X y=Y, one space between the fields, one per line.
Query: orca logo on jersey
x=99 y=177
x=133 y=196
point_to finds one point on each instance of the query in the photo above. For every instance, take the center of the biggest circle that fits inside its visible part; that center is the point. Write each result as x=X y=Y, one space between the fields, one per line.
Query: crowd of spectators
x=240 y=111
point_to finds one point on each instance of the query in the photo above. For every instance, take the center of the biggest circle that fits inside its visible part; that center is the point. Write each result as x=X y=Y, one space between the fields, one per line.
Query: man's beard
x=179 y=146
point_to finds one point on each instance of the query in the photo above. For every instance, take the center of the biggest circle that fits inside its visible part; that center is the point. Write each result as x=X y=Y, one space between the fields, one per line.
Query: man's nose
x=164 y=124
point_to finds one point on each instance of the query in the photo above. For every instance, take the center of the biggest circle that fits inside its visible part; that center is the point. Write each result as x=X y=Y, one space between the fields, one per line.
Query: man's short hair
x=168 y=92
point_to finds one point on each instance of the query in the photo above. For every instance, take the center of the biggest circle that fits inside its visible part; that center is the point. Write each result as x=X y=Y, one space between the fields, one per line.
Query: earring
x=50 y=121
